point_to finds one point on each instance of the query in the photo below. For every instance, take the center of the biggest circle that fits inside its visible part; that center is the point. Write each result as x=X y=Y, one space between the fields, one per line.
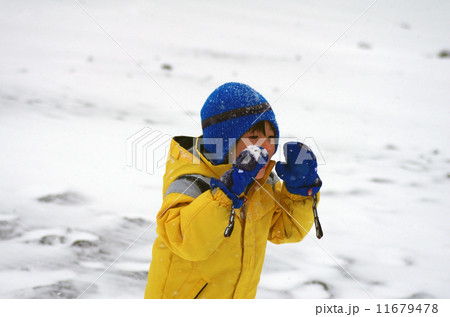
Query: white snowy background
x=79 y=78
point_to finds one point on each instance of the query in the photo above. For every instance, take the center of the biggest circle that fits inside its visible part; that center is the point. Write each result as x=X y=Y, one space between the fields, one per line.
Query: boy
x=222 y=202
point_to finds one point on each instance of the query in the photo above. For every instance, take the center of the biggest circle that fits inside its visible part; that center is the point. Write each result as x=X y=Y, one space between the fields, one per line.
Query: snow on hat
x=228 y=113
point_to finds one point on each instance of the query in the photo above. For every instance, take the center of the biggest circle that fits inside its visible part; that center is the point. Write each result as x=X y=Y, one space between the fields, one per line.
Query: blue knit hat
x=228 y=113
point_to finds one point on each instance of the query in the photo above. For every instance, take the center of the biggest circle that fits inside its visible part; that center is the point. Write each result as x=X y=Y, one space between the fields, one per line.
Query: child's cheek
x=261 y=173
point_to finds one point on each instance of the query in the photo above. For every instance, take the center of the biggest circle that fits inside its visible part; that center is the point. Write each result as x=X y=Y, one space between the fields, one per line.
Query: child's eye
x=253 y=137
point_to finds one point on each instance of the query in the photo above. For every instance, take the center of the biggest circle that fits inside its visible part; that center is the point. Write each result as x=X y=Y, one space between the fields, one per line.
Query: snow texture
x=79 y=80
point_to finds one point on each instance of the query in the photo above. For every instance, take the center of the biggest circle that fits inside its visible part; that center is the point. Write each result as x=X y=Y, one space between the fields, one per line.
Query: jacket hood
x=184 y=158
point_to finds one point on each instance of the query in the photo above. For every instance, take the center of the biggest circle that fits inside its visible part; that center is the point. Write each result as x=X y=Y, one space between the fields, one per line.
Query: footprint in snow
x=66 y=198
x=8 y=226
x=65 y=289
x=313 y=289
x=414 y=166
x=380 y=180
x=421 y=295
x=60 y=236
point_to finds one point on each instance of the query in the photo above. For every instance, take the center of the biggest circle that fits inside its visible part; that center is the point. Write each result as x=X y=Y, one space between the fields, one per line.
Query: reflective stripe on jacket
x=191 y=258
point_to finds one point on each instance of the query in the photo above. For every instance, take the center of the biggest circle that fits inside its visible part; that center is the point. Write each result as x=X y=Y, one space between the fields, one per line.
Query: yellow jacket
x=191 y=258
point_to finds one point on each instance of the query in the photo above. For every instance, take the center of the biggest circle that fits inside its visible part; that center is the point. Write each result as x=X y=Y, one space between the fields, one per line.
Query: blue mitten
x=245 y=168
x=299 y=173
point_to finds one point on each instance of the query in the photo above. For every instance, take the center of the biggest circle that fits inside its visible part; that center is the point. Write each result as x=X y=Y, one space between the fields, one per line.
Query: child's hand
x=300 y=170
x=244 y=170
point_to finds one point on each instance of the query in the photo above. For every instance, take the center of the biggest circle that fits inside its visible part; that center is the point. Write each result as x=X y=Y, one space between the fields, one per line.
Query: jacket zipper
x=200 y=291
x=243 y=212
x=243 y=208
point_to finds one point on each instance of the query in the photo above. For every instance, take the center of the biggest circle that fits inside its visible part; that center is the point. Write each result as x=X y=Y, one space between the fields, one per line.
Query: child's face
x=259 y=138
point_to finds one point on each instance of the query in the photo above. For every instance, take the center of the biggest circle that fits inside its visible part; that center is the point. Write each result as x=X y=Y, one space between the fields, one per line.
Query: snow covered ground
x=80 y=78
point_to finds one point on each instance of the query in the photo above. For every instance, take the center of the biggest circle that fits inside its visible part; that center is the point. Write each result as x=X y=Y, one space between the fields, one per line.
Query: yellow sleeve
x=193 y=228
x=293 y=216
